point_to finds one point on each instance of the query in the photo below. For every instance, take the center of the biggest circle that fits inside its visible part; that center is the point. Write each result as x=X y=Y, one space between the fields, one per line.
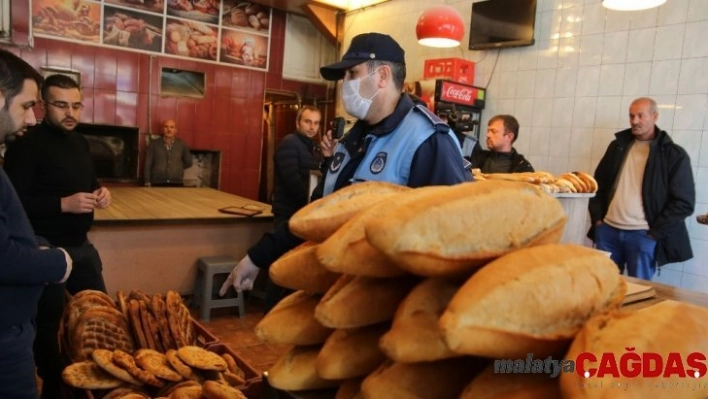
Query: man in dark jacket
x=294 y=158
x=166 y=158
x=25 y=267
x=53 y=173
x=645 y=193
x=501 y=157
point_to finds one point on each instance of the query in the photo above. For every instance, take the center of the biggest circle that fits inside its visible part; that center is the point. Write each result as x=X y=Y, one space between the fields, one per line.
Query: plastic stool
x=207 y=268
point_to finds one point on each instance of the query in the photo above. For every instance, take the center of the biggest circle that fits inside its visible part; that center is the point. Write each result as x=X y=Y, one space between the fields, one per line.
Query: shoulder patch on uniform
x=336 y=162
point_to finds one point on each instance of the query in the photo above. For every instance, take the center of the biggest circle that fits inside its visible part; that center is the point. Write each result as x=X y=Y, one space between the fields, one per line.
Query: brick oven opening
x=114 y=150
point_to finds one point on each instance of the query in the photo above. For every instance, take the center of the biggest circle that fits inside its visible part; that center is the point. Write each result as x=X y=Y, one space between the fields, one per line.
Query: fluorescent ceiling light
x=631 y=5
x=349 y=5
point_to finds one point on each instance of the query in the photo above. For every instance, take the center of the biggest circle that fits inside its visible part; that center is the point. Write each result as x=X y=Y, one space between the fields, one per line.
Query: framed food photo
x=76 y=20
x=157 y=6
x=196 y=10
x=191 y=39
x=132 y=29
x=245 y=15
x=243 y=48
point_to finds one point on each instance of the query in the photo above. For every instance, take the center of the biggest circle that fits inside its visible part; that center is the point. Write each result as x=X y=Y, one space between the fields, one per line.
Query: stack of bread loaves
x=403 y=293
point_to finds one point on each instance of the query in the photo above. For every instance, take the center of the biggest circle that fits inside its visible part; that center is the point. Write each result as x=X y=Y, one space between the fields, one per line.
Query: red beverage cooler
x=460 y=105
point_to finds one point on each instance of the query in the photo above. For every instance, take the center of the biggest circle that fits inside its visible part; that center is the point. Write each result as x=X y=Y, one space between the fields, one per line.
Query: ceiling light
x=440 y=26
x=631 y=5
x=349 y=5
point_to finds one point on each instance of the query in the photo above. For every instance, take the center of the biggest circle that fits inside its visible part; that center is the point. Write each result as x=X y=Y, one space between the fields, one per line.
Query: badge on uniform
x=379 y=163
x=336 y=162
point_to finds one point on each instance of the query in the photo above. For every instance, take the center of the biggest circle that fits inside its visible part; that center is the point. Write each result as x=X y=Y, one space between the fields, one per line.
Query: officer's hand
x=242 y=277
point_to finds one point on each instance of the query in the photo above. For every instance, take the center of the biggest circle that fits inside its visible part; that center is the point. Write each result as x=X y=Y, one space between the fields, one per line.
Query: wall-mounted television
x=502 y=23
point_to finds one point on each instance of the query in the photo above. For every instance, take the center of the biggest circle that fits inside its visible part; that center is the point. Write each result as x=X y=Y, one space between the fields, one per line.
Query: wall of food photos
x=229 y=32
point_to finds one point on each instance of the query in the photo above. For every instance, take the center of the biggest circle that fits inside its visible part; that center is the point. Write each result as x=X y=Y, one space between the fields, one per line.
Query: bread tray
x=203 y=337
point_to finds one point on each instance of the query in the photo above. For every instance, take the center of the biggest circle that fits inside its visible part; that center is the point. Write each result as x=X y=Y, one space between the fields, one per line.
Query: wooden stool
x=204 y=290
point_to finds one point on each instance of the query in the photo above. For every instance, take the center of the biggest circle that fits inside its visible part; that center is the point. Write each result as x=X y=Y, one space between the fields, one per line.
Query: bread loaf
x=435 y=380
x=667 y=327
x=319 y=219
x=533 y=300
x=299 y=269
x=292 y=321
x=350 y=353
x=348 y=251
x=295 y=371
x=455 y=232
x=491 y=385
x=415 y=335
x=361 y=301
x=350 y=389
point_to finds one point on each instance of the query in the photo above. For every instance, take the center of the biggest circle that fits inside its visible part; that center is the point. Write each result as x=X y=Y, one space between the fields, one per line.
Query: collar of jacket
x=660 y=139
x=55 y=130
x=355 y=138
x=308 y=141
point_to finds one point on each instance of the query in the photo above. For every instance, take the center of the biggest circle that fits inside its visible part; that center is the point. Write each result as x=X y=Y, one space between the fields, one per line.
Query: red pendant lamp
x=440 y=26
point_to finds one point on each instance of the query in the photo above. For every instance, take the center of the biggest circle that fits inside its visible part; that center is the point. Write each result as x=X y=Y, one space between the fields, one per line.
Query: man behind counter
x=501 y=157
x=393 y=140
x=166 y=159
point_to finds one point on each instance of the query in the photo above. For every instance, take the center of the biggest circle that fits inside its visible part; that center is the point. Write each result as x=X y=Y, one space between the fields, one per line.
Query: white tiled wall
x=572 y=89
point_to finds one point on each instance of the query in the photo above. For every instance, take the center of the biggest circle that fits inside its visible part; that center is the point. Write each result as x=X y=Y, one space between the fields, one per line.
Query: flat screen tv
x=502 y=23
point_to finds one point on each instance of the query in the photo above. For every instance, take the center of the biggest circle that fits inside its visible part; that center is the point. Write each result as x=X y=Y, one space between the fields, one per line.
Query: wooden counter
x=150 y=238
x=666 y=292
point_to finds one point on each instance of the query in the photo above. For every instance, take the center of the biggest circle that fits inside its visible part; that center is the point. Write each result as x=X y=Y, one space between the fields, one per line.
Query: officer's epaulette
x=440 y=126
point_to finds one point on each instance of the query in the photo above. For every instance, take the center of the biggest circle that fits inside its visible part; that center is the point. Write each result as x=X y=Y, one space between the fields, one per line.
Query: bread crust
x=438 y=236
x=295 y=371
x=415 y=335
x=319 y=219
x=292 y=321
x=350 y=353
x=355 y=301
x=299 y=269
x=533 y=300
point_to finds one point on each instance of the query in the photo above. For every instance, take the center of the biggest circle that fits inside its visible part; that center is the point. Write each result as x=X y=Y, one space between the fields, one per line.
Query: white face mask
x=356 y=105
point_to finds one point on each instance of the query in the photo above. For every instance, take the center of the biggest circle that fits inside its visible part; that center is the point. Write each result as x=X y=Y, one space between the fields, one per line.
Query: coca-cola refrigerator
x=458 y=104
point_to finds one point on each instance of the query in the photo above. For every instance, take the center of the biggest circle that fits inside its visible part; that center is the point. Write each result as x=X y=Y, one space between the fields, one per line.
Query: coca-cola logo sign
x=458 y=94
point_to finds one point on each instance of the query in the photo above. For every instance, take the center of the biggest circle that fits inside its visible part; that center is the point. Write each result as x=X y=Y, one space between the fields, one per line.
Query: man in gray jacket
x=166 y=159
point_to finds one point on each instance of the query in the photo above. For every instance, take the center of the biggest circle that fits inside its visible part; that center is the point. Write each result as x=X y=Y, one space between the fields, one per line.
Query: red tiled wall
x=118 y=89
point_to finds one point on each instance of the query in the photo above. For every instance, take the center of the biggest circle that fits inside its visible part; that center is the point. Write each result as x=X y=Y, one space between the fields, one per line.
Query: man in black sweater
x=25 y=268
x=52 y=171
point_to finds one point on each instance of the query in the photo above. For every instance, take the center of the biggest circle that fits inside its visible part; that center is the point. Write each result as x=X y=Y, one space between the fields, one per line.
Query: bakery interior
x=570 y=90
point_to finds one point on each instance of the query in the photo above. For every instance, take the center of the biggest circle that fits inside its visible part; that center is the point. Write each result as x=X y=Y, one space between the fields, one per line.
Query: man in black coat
x=501 y=157
x=646 y=191
x=296 y=155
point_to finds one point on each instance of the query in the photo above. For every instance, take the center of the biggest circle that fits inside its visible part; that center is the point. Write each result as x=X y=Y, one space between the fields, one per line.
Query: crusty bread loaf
x=415 y=335
x=435 y=380
x=455 y=232
x=348 y=251
x=491 y=385
x=667 y=327
x=533 y=300
x=350 y=389
x=350 y=353
x=319 y=219
x=292 y=321
x=361 y=301
x=295 y=371
x=299 y=269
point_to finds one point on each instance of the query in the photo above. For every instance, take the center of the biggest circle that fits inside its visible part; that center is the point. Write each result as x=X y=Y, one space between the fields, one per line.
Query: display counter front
x=576 y=209
x=151 y=237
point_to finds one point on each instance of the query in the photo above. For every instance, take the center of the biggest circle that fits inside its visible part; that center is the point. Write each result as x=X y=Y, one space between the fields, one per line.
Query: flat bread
x=214 y=390
x=232 y=366
x=145 y=323
x=167 y=390
x=158 y=308
x=179 y=319
x=201 y=358
x=179 y=366
x=156 y=363
x=95 y=293
x=127 y=362
x=104 y=359
x=191 y=392
x=88 y=375
x=99 y=327
x=138 y=332
x=123 y=392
